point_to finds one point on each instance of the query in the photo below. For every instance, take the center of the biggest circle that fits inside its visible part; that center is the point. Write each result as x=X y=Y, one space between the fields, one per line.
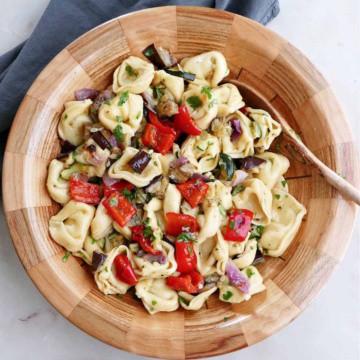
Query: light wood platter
x=291 y=85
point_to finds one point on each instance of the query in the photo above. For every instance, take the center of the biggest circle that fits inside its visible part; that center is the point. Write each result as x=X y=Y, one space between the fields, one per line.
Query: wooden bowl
x=259 y=58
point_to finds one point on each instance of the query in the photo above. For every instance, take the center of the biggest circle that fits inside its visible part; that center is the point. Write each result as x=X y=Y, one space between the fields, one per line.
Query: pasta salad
x=168 y=184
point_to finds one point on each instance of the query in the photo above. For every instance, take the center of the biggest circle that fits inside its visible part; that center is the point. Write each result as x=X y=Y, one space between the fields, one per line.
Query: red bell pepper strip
x=239 y=225
x=193 y=191
x=187 y=282
x=118 y=186
x=85 y=192
x=184 y=123
x=119 y=208
x=185 y=256
x=154 y=119
x=178 y=223
x=158 y=140
x=145 y=243
x=124 y=270
x=171 y=124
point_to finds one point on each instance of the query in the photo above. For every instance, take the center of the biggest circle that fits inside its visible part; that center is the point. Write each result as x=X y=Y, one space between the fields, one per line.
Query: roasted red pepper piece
x=119 y=208
x=193 y=191
x=158 y=140
x=239 y=225
x=124 y=270
x=145 y=243
x=188 y=282
x=118 y=186
x=85 y=192
x=184 y=123
x=176 y=223
x=154 y=119
x=185 y=256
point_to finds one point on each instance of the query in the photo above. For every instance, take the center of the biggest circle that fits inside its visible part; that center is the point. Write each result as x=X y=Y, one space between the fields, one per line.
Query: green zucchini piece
x=74 y=168
x=227 y=167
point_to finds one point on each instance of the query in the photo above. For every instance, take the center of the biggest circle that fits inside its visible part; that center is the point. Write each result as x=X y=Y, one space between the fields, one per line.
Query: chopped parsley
x=107 y=102
x=118 y=133
x=154 y=302
x=194 y=101
x=186 y=237
x=225 y=319
x=271 y=160
x=123 y=98
x=266 y=251
x=74 y=154
x=128 y=194
x=147 y=229
x=138 y=115
x=249 y=272
x=231 y=224
x=177 y=154
x=118 y=119
x=66 y=256
x=222 y=210
x=256 y=232
x=200 y=148
x=283 y=183
x=149 y=52
x=106 y=269
x=237 y=190
x=228 y=295
x=183 y=300
x=130 y=71
x=93 y=241
x=157 y=91
x=277 y=196
x=65 y=116
x=206 y=91
x=113 y=202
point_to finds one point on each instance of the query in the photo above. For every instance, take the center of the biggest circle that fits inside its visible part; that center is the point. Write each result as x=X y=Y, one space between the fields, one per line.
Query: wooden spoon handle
x=334 y=179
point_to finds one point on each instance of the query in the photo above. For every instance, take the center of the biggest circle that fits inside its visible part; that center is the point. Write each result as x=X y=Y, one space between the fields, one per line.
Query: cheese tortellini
x=133 y=75
x=73 y=119
x=168 y=185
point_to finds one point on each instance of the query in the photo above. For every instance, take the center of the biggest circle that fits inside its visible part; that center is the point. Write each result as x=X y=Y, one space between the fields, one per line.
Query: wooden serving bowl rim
x=290 y=83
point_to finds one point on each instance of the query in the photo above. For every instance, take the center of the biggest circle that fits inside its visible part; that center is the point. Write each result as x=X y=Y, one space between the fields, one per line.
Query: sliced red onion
x=178 y=162
x=251 y=162
x=239 y=177
x=237 y=131
x=150 y=103
x=83 y=94
x=161 y=258
x=81 y=177
x=258 y=258
x=201 y=176
x=236 y=277
x=107 y=94
x=108 y=181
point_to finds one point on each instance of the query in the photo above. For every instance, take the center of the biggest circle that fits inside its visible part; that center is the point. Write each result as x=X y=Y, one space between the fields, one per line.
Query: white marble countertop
x=327 y=31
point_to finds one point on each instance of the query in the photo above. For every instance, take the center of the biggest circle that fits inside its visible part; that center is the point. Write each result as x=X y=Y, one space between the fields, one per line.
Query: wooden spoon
x=334 y=179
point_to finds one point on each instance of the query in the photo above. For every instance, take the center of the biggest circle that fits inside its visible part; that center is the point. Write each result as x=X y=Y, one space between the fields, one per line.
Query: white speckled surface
x=328 y=32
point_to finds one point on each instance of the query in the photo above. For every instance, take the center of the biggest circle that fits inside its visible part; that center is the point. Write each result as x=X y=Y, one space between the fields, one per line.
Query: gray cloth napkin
x=65 y=20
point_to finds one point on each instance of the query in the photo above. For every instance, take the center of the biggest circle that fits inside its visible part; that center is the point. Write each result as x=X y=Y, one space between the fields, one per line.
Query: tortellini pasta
x=265 y=128
x=210 y=68
x=69 y=227
x=123 y=112
x=272 y=170
x=228 y=98
x=121 y=170
x=257 y=198
x=231 y=294
x=73 y=120
x=105 y=277
x=129 y=169
x=101 y=225
x=156 y=296
x=200 y=107
x=202 y=151
x=133 y=75
x=58 y=188
x=287 y=214
x=238 y=147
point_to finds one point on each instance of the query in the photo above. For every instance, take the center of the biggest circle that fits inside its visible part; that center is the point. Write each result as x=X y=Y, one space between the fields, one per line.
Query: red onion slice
x=161 y=258
x=201 y=176
x=239 y=177
x=237 y=131
x=83 y=94
x=251 y=162
x=178 y=162
x=236 y=277
x=108 y=181
x=81 y=177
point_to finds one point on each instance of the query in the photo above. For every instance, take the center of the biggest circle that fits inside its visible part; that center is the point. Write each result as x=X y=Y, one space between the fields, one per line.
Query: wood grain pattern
x=290 y=84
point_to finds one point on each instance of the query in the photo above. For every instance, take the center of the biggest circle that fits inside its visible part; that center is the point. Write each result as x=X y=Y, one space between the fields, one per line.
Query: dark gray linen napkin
x=65 y=20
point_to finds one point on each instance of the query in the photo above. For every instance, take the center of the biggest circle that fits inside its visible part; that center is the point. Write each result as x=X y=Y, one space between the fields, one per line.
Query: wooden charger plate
x=256 y=56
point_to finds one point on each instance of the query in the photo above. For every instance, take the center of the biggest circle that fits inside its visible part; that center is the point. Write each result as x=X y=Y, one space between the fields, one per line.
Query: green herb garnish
x=154 y=302
x=227 y=296
x=157 y=91
x=222 y=210
x=74 y=154
x=65 y=116
x=66 y=256
x=138 y=115
x=113 y=202
x=128 y=194
x=277 y=196
x=186 y=237
x=123 y=98
x=212 y=103
x=183 y=300
x=206 y=91
x=249 y=272
x=283 y=183
x=130 y=71
x=237 y=190
x=231 y=225
x=118 y=133
x=194 y=102
x=107 y=102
